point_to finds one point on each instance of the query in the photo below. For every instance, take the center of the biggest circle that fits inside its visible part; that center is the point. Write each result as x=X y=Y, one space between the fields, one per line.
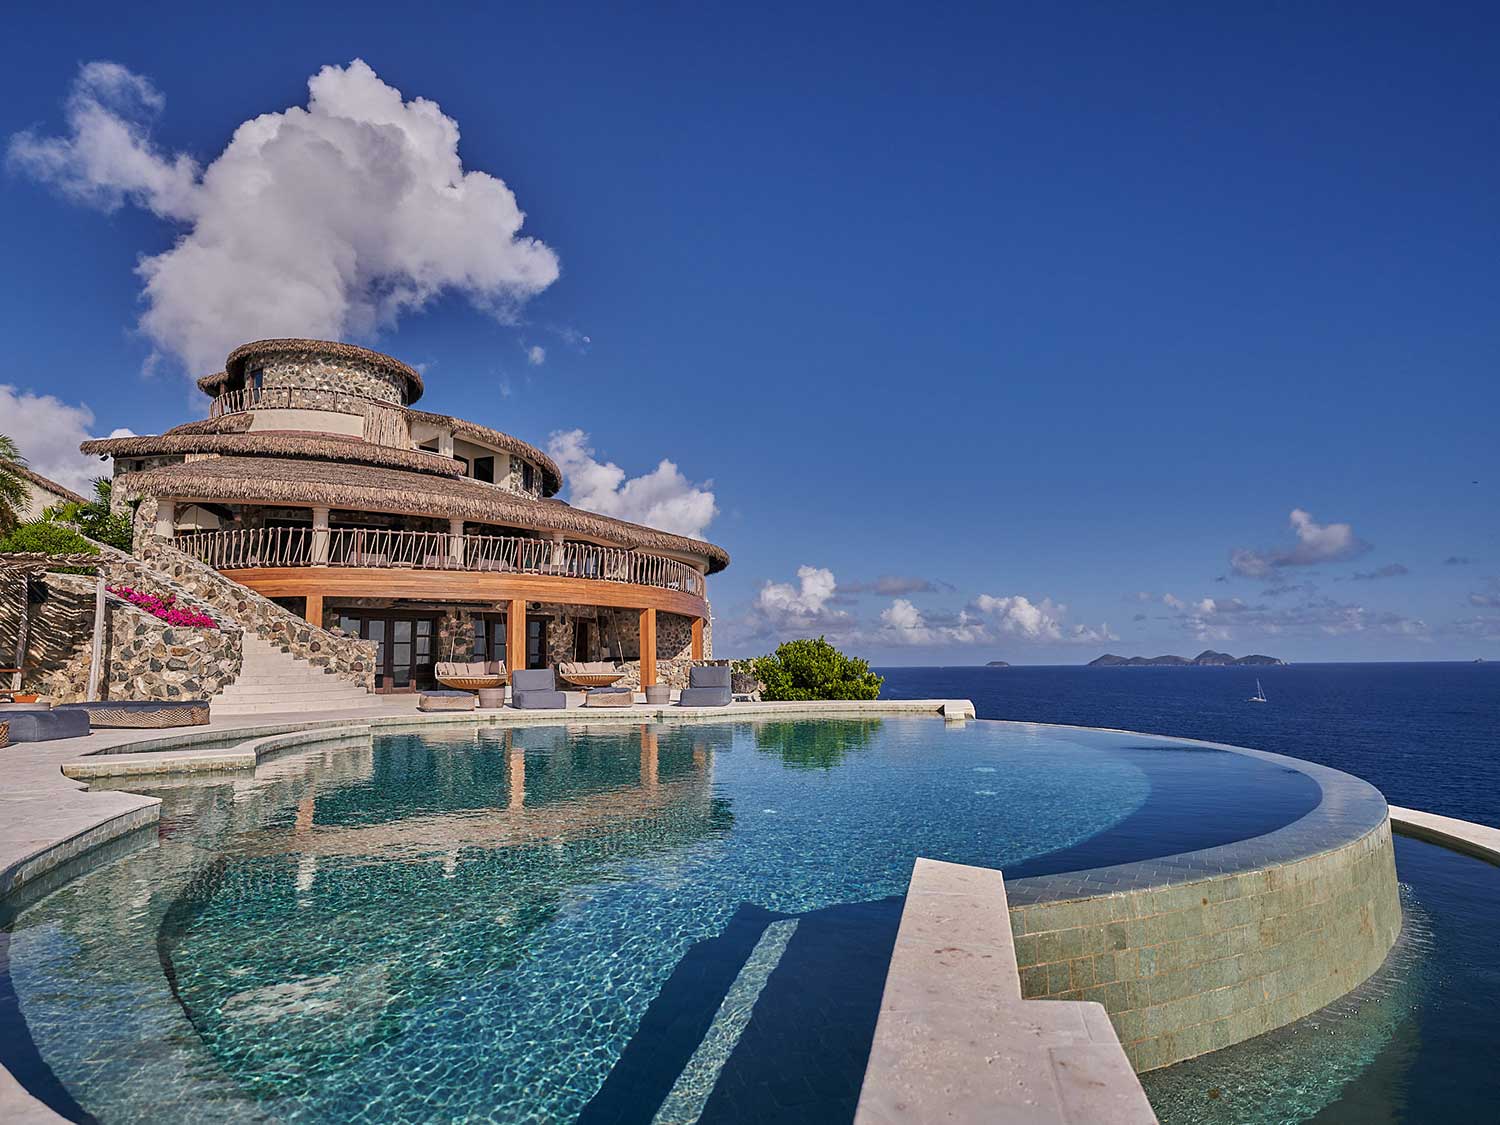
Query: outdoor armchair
x=707 y=687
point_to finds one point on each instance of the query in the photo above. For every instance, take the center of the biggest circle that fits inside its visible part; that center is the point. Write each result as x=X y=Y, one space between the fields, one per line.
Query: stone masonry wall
x=144 y=657
x=312 y=372
x=347 y=657
x=1192 y=967
x=150 y=659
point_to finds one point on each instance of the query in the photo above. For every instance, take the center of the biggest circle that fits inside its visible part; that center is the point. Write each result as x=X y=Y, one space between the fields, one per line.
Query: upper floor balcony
x=380 y=549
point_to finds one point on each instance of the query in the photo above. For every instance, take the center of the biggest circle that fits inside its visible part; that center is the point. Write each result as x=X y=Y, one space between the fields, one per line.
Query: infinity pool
x=654 y=924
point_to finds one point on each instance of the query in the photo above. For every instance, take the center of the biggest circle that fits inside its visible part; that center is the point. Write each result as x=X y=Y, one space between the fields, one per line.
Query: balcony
x=291 y=398
x=294 y=547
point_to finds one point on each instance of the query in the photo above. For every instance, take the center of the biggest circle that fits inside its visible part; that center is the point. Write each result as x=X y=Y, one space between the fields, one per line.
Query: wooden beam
x=23 y=625
x=460 y=585
x=314 y=610
x=648 y=647
x=697 y=650
x=96 y=654
x=515 y=635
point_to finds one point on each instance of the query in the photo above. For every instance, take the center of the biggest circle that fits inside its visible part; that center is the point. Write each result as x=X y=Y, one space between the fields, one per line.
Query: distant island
x=997 y=664
x=1207 y=658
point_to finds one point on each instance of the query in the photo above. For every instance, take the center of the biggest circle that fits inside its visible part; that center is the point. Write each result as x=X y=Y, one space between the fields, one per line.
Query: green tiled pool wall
x=1192 y=967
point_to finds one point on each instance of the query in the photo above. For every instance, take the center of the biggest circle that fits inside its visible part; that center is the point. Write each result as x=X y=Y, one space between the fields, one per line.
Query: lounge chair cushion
x=43 y=726
x=710 y=676
x=535 y=689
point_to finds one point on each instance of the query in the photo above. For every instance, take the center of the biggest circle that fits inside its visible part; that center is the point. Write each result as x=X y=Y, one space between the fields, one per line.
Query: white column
x=456 y=542
x=557 y=548
x=320 y=537
x=445 y=442
x=166 y=518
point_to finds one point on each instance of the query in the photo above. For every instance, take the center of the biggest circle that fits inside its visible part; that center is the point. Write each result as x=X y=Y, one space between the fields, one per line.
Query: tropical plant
x=13 y=486
x=165 y=607
x=47 y=538
x=94 y=517
x=807 y=669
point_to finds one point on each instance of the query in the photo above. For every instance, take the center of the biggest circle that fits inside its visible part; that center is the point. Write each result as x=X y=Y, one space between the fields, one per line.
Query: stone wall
x=1188 y=968
x=348 y=658
x=144 y=657
x=150 y=659
x=310 y=371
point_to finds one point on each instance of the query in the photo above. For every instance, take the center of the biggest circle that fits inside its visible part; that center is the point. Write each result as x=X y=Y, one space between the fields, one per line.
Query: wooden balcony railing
x=435 y=550
x=290 y=398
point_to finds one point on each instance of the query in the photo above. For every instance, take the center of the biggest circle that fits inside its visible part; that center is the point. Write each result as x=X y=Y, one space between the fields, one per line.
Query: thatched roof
x=326 y=484
x=234 y=366
x=50 y=485
x=279 y=443
x=462 y=427
x=223 y=424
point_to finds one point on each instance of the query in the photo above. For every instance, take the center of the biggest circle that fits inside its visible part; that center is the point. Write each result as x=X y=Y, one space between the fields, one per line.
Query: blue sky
x=1005 y=326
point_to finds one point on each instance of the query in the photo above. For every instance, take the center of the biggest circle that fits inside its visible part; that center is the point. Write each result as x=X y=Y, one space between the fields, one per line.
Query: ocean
x=1426 y=735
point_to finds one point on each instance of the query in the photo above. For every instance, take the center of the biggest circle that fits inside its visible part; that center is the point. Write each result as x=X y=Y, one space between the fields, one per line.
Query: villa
x=315 y=482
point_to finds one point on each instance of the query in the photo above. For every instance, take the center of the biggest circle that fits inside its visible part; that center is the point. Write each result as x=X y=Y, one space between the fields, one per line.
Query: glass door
x=403 y=648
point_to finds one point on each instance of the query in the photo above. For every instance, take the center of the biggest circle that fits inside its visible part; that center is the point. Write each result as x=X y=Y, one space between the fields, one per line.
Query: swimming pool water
x=555 y=923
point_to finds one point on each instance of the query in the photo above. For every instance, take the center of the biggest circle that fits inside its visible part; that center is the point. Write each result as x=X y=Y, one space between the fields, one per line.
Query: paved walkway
x=1460 y=835
x=956 y=1042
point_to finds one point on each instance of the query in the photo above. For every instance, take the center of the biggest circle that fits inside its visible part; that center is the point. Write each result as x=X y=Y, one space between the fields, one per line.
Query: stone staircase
x=275 y=682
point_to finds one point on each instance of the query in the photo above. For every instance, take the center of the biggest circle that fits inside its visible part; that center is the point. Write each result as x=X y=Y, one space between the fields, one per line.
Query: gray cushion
x=712 y=676
x=43 y=726
x=538 y=699
x=705 y=697
x=533 y=679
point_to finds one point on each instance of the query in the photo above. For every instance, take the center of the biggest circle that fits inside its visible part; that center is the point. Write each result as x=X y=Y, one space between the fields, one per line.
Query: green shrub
x=46 y=538
x=801 y=670
x=94 y=518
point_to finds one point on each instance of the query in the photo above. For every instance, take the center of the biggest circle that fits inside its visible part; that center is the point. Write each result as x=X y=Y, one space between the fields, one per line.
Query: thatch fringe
x=330 y=485
x=36 y=478
x=278 y=443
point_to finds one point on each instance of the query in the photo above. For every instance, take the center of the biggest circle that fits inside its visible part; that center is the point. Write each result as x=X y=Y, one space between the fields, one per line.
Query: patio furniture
x=536 y=689
x=659 y=694
x=44 y=726
x=4 y=733
x=707 y=687
x=609 y=697
x=446 y=701
x=143 y=713
x=472 y=676
x=590 y=673
x=491 y=698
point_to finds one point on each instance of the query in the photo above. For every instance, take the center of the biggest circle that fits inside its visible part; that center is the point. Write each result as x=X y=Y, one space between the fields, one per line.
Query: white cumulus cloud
x=328 y=221
x=662 y=498
x=1037 y=621
x=903 y=623
x=1316 y=543
x=536 y=355
x=48 y=432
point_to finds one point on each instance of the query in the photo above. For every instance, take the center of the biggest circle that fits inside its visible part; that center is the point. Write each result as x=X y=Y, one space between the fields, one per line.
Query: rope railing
x=435 y=550
x=288 y=398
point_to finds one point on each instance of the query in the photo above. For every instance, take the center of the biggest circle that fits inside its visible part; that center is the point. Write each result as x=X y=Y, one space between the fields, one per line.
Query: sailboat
x=1259 y=696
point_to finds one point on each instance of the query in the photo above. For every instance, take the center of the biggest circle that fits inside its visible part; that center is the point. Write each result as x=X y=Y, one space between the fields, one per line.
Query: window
x=489 y=637
x=528 y=480
x=255 y=377
x=484 y=469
